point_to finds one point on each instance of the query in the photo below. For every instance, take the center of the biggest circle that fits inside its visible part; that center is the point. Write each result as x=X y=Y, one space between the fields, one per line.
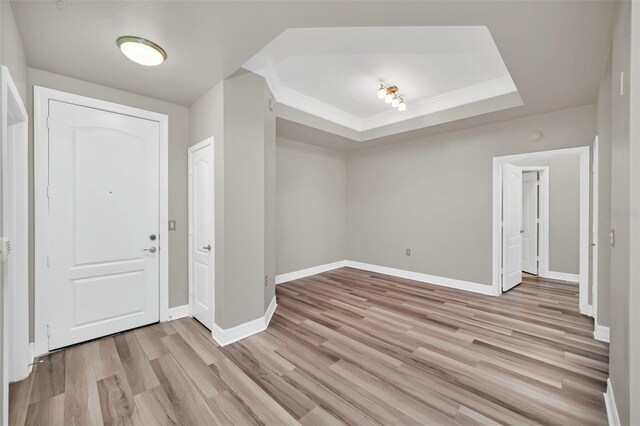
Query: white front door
x=201 y=260
x=530 y=222
x=103 y=225
x=512 y=226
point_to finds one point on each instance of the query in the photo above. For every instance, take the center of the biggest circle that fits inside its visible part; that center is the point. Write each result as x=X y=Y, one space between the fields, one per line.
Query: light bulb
x=388 y=98
x=402 y=106
x=382 y=92
x=395 y=102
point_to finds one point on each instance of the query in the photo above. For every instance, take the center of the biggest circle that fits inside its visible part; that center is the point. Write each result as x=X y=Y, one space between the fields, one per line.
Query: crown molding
x=466 y=95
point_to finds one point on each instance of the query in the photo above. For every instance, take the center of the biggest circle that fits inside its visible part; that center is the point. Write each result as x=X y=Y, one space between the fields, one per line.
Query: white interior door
x=201 y=260
x=530 y=222
x=103 y=223
x=512 y=226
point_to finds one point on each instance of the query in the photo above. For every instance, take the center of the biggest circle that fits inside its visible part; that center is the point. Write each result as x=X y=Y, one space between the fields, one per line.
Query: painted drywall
x=244 y=202
x=564 y=212
x=178 y=144
x=619 y=349
x=311 y=206
x=434 y=195
x=236 y=113
x=13 y=55
x=604 y=198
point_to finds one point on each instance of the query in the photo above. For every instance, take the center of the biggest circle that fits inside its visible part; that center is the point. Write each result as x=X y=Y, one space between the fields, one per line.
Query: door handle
x=151 y=249
x=207 y=247
x=522 y=231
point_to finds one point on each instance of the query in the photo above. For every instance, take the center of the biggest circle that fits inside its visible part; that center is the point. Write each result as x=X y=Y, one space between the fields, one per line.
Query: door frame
x=543 y=217
x=583 y=152
x=191 y=150
x=41 y=98
x=595 y=166
x=16 y=358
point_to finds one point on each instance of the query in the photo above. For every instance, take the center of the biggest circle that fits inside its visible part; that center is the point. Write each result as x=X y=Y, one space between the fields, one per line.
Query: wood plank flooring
x=344 y=347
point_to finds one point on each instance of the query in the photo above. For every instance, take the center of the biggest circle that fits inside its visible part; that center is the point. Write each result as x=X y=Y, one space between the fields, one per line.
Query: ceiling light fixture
x=390 y=96
x=141 y=51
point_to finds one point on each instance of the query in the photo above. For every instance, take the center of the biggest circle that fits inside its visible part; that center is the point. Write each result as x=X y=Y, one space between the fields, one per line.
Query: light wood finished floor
x=345 y=346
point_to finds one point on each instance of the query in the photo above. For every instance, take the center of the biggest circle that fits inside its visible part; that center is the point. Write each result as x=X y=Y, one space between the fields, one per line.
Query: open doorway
x=541 y=230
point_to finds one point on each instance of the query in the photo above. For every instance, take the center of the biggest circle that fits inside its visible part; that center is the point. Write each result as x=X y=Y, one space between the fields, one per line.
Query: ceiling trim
x=466 y=95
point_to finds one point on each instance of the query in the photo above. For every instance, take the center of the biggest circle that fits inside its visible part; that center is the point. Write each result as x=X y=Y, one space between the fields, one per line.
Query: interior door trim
x=583 y=153
x=41 y=98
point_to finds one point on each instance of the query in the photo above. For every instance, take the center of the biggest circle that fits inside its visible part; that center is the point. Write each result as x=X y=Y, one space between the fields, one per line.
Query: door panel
x=201 y=234
x=530 y=222
x=512 y=226
x=103 y=208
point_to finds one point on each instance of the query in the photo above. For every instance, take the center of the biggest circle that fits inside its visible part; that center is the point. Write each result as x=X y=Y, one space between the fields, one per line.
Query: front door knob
x=207 y=247
x=151 y=250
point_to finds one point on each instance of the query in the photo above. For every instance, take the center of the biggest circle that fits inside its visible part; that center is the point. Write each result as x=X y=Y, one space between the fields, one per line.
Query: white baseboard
x=227 y=336
x=610 y=404
x=486 y=289
x=290 y=276
x=601 y=333
x=178 y=312
x=562 y=276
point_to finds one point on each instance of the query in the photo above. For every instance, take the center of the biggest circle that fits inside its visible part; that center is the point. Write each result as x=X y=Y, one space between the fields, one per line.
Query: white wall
x=434 y=195
x=311 y=188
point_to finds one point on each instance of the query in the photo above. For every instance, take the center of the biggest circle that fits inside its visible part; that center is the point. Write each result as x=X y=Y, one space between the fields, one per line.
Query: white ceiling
x=335 y=73
x=555 y=51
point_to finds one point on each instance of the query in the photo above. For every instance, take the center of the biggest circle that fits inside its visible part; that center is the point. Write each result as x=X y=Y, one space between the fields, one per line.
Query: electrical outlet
x=172 y=225
x=408 y=252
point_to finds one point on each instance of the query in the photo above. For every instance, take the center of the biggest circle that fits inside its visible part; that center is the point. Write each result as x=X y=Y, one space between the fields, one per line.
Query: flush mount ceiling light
x=390 y=96
x=141 y=51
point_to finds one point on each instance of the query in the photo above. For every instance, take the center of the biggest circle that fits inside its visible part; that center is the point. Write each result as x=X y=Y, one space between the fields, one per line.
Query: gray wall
x=564 y=212
x=434 y=195
x=311 y=206
x=178 y=144
x=619 y=355
x=236 y=114
x=13 y=55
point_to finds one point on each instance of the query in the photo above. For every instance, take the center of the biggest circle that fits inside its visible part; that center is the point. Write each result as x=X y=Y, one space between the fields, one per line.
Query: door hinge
x=48 y=263
x=49 y=121
x=48 y=330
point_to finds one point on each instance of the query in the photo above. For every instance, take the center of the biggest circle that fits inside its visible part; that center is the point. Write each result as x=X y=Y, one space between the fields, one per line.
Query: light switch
x=172 y=225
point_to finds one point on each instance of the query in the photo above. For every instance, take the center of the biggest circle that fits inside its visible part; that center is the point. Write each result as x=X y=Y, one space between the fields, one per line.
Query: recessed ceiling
x=335 y=73
x=555 y=51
